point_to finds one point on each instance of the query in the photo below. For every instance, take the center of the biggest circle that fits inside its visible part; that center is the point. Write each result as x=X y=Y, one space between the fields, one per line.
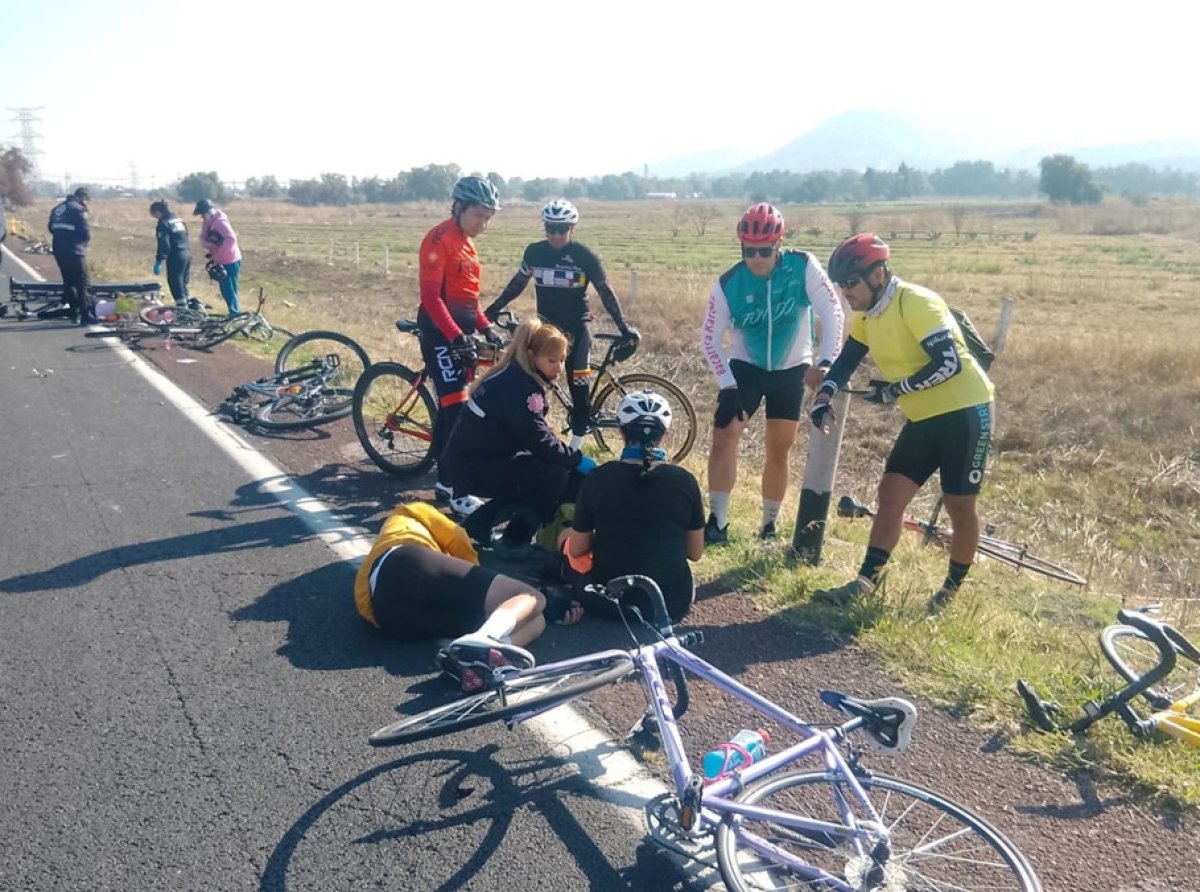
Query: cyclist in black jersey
x=639 y=515
x=562 y=269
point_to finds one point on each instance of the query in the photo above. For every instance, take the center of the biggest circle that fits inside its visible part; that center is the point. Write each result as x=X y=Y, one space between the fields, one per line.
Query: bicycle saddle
x=888 y=722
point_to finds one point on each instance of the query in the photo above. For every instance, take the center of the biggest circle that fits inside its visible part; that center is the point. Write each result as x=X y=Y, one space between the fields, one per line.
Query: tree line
x=1061 y=178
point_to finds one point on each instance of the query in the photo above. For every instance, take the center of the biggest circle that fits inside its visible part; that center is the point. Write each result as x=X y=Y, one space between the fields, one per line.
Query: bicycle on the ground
x=833 y=825
x=308 y=388
x=395 y=406
x=47 y=300
x=1159 y=665
x=933 y=531
x=192 y=325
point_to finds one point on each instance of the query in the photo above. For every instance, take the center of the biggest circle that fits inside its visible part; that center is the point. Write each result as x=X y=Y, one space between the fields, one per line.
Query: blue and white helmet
x=645 y=413
x=560 y=211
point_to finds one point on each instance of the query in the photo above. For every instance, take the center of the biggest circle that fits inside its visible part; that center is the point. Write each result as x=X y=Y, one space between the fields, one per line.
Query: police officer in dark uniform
x=172 y=236
x=71 y=232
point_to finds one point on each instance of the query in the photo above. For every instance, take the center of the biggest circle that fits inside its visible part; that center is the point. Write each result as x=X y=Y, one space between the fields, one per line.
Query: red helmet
x=761 y=223
x=856 y=255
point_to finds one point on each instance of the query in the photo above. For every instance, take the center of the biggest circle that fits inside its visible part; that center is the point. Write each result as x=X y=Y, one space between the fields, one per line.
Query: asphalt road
x=185 y=700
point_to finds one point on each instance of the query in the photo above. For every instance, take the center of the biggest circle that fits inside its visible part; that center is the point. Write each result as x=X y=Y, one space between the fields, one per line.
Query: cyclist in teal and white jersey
x=767 y=302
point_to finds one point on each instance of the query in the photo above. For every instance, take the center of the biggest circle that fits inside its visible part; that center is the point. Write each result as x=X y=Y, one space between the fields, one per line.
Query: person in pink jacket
x=219 y=242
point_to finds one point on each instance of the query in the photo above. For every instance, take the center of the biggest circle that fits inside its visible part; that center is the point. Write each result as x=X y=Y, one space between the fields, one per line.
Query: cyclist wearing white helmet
x=561 y=269
x=639 y=515
x=449 y=277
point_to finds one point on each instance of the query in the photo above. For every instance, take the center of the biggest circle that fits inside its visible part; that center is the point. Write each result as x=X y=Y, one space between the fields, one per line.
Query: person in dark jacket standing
x=172 y=237
x=71 y=232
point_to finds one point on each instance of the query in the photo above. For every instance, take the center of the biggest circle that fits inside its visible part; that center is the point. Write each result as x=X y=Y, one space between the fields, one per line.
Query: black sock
x=955 y=575
x=874 y=563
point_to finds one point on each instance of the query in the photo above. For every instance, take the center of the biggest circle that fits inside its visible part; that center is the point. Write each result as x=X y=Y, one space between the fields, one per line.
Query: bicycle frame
x=1175 y=721
x=716 y=800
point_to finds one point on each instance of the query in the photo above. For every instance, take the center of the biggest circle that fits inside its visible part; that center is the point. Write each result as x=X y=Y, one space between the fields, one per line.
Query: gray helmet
x=203 y=206
x=476 y=190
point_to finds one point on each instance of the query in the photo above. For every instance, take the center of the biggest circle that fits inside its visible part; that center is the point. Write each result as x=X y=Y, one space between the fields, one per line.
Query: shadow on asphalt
x=476 y=794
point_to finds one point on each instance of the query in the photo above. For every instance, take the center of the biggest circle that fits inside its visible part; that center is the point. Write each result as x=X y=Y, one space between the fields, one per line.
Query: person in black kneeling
x=503 y=448
x=640 y=515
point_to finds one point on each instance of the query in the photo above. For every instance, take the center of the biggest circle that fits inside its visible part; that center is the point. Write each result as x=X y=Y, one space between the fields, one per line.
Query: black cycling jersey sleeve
x=510 y=293
x=609 y=298
x=852 y=353
x=944 y=363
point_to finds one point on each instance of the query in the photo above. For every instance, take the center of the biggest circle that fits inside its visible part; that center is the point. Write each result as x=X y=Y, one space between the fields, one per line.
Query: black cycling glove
x=881 y=392
x=462 y=348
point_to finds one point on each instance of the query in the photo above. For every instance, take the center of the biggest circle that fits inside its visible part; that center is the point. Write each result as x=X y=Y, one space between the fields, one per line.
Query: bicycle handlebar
x=615 y=588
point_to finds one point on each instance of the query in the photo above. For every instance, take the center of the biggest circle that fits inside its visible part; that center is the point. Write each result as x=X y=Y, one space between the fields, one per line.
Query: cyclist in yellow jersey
x=944 y=393
x=422 y=580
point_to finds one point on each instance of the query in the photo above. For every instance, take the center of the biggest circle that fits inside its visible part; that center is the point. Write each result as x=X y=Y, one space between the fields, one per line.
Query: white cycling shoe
x=480 y=649
x=465 y=506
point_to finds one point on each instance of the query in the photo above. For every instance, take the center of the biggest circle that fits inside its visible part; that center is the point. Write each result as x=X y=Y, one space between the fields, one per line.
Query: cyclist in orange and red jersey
x=450 y=313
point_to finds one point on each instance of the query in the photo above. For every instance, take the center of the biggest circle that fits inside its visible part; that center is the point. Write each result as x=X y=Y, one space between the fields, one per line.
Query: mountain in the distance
x=857 y=140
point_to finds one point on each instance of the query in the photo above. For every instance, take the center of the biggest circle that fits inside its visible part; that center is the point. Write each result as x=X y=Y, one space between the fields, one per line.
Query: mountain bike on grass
x=395 y=406
x=1159 y=665
x=308 y=388
x=829 y=824
x=1010 y=553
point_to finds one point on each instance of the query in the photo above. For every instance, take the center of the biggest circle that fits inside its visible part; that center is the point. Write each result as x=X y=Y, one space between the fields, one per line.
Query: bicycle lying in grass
x=192 y=326
x=833 y=826
x=1146 y=653
x=1005 y=552
x=395 y=406
x=308 y=388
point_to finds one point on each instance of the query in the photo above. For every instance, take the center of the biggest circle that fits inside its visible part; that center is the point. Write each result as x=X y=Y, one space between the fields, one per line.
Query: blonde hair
x=532 y=338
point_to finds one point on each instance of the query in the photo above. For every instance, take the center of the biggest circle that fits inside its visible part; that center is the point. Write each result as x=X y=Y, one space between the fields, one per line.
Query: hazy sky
x=555 y=89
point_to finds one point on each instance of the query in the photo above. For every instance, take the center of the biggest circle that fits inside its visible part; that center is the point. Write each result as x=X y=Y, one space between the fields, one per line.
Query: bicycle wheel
x=679 y=439
x=393 y=417
x=1018 y=556
x=934 y=843
x=1133 y=655
x=291 y=413
x=301 y=350
x=170 y=314
x=216 y=331
x=532 y=689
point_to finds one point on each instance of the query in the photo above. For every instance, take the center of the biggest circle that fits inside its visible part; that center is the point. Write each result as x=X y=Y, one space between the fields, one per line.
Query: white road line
x=561 y=728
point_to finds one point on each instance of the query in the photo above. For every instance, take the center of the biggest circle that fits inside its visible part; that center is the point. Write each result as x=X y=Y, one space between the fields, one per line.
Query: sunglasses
x=558 y=228
x=849 y=282
x=749 y=252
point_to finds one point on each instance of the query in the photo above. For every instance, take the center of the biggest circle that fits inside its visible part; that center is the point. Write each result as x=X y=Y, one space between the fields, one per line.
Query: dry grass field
x=1096 y=460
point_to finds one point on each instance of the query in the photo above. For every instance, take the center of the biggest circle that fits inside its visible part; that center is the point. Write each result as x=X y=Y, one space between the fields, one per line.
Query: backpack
x=984 y=355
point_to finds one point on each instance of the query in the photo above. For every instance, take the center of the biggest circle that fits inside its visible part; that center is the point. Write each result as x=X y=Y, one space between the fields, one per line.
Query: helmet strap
x=877 y=290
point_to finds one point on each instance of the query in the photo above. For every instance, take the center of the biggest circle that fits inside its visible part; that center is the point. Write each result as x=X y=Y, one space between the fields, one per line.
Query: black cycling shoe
x=715 y=535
